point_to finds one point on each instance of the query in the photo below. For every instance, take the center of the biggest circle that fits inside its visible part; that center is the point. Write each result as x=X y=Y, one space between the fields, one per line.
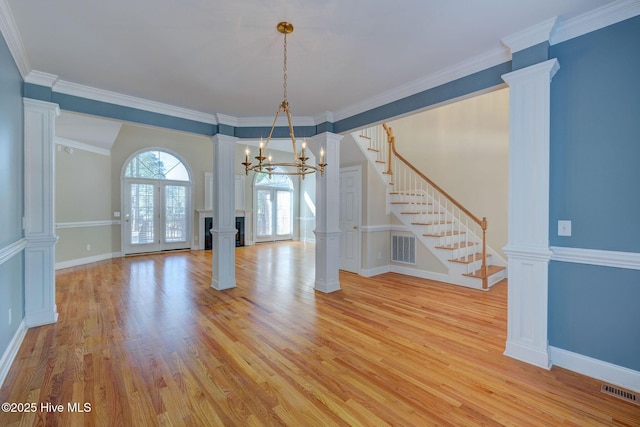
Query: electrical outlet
x=89 y=247
x=564 y=228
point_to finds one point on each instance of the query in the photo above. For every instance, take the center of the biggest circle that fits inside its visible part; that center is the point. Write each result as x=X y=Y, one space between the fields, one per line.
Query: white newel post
x=328 y=215
x=528 y=243
x=223 y=221
x=39 y=212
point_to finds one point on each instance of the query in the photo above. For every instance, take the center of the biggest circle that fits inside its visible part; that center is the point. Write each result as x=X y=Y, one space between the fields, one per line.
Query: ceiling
x=226 y=56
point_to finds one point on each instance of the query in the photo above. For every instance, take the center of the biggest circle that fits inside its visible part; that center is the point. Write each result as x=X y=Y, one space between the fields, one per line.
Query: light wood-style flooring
x=145 y=341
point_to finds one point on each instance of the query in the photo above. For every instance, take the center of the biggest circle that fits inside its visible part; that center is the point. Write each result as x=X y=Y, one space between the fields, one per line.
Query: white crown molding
x=326 y=116
x=43 y=79
x=9 y=30
x=531 y=36
x=549 y=30
x=628 y=260
x=268 y=121
x=87 y=92
x=81 y=146
x=224 y=119
x=478 y=63
x=596 y=19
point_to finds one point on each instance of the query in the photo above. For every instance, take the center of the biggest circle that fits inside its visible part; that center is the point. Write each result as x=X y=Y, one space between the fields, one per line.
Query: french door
x=273 y=214
x=156 y=216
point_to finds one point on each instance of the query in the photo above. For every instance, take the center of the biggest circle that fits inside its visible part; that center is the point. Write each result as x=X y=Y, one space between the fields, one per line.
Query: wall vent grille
x=620 y=394
x=403 y=249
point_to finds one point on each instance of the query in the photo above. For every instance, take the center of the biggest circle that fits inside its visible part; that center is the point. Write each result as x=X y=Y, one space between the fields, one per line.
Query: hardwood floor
x=145 y=341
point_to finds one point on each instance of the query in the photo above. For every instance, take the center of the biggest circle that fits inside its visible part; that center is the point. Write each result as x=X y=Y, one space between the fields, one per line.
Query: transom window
x=156 y=165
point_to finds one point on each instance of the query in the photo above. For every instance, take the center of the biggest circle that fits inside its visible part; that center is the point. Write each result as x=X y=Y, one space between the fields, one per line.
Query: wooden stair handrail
x=481 y=222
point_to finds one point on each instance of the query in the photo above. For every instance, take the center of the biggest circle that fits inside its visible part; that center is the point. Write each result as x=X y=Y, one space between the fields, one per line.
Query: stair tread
x=373 y=149
x=365 y=137
x=412 y=203
x=380 y=161
x=405 y=193
x=445 y=234
x=469 y=259
x=491 y=269
x=456 y=246
x=417 y=213
x=431 y=223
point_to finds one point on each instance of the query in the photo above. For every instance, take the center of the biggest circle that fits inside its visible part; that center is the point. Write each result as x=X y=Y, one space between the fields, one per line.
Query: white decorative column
x=528 y=243
x=224 y=220
x=39 y=212
x=328 y=215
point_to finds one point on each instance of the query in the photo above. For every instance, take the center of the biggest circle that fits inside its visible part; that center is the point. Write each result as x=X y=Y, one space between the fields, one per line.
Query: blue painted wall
x=595 y=183
x=11 y=194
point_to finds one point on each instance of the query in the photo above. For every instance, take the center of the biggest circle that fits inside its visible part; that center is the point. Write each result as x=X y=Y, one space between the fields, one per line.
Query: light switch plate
x=564 y=228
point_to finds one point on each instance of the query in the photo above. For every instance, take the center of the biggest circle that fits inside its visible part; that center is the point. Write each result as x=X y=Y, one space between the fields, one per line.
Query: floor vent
x=403 y=249
x=620 y=394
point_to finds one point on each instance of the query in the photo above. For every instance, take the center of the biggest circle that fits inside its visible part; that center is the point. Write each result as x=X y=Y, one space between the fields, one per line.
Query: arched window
x=156 y=203
x=274 y=207
x=156 y=164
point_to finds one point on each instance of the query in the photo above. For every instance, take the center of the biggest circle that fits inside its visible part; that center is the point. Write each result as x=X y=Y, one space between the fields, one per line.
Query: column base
x=524 y=353
x=224 y=259
x=327 y=261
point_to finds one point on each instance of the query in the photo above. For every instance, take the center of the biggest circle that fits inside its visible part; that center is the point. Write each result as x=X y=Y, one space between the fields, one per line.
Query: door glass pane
x=283 y=214
x=264 y=213
x=142 y=225
x=175 y=218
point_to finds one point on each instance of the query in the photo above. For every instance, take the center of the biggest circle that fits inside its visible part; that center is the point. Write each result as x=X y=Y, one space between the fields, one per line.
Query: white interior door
x=350 y=218
x=155 y=216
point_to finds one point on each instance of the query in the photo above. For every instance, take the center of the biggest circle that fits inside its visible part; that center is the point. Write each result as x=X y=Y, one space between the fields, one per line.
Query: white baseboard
x=11 y=351
x=88 y=260
x=370 y=272
x=594 y=368
x=423 y=274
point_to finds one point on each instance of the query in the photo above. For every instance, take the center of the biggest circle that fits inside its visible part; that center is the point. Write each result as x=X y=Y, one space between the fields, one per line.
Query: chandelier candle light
x=300 y=165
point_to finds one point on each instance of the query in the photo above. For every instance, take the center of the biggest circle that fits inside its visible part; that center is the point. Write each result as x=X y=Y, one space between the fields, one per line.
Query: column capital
x=36 y=104
x=224 y=138
x=544 y=69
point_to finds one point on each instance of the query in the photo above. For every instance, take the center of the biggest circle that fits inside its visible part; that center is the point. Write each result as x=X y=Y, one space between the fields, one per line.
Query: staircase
x=454 y=235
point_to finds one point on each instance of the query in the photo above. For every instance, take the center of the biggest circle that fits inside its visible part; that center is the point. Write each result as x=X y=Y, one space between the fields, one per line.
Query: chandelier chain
x=284 y=68
x=299 y=165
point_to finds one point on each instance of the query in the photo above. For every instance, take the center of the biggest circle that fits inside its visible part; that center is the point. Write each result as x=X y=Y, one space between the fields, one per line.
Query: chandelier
x=299 y=165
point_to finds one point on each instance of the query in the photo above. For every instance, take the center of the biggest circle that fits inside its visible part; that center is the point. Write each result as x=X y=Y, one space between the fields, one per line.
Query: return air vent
x=403 y=249
x=620 y=394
